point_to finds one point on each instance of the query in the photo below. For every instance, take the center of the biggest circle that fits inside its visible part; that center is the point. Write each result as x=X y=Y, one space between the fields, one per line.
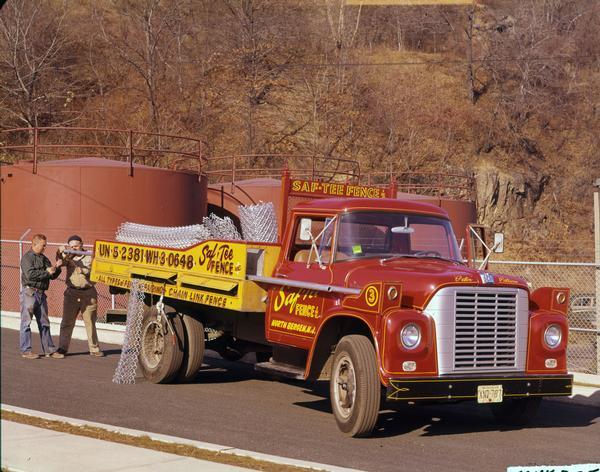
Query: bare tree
x=260 y=60
x=147 y=36
x=527 y=53
x=343 y=22
x=38 y=65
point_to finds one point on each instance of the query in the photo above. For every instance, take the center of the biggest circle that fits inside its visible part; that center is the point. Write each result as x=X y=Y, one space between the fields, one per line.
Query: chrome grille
x=485 y=331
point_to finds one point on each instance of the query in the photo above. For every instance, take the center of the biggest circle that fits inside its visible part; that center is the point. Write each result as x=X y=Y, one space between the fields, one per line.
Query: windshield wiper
x=398 y=256
x=419 y=256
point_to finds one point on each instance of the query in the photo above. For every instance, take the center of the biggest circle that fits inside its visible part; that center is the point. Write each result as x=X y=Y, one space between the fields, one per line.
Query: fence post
x=130 y=153
x=20 y=257
x=199 y=160
x=597 y=260
x=35 y=149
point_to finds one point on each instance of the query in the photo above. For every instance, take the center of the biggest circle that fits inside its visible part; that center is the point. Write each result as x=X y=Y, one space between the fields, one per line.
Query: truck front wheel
x=516 y=412
x=161 y=349
x=354 y=387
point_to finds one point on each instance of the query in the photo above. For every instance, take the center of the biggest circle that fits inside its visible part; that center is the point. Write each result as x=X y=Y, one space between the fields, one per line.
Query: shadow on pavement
x=215 y=371
x=107 y=353
x=442 y=419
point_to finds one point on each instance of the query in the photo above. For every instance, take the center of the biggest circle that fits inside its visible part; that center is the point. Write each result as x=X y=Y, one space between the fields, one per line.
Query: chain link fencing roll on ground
x=127 y=367
x=221 y=228
x=171 y=237
x=259 y=222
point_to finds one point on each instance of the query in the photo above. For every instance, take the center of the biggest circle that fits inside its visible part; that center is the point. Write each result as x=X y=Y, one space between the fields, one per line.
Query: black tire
x=193 y=349
x=161 y=350
x=516 y=411
x=354 y=388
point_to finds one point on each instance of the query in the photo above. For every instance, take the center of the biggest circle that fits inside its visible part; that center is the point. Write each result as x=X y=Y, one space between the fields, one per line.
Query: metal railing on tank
x=150 y=149
x=443 y=185
x=233 y=168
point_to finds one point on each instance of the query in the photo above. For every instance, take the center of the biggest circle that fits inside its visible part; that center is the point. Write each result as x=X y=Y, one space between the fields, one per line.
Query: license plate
x=489 y=394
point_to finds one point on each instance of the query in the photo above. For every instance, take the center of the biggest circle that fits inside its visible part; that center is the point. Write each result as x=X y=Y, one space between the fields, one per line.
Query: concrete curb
x=107 y=333
x=590 y=380
x=188 y=442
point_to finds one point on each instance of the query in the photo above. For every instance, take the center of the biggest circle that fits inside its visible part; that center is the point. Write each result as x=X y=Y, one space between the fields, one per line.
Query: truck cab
x=386 y=285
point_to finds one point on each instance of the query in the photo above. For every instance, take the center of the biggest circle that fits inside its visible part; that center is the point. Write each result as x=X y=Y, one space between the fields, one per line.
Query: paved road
x=232 y=405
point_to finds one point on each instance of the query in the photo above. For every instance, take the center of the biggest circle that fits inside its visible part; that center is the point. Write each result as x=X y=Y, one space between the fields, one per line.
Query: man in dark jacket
x=36 y=273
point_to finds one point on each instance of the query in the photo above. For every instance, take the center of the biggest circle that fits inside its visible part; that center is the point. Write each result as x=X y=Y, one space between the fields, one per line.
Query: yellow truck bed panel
x=211 y=273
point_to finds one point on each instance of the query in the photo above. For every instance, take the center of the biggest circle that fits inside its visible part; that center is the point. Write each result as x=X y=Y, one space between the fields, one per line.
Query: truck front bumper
x=467 y=387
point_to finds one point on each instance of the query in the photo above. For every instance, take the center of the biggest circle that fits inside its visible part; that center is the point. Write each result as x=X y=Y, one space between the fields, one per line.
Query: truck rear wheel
x=516 y=411
x=193 y=349
x=161 y=350
x=354 y=388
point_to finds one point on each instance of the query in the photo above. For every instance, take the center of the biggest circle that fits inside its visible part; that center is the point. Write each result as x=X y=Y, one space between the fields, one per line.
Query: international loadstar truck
x=366 y=291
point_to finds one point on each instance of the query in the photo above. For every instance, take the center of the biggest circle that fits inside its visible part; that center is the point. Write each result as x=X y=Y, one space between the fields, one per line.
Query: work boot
x=29 y=355
x=56 y=355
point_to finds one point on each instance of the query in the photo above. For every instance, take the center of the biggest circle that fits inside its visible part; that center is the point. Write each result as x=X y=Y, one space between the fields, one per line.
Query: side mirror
x=305 y=227
x=498 y=243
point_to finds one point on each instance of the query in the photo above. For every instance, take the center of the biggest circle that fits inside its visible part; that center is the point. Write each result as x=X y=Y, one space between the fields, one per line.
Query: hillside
x=508 y=91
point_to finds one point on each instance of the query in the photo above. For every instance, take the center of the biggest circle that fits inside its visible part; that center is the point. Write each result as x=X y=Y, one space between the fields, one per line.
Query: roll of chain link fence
x=259 y=222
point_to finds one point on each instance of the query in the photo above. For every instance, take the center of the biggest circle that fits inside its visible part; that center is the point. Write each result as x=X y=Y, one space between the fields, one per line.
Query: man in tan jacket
x=80 y=296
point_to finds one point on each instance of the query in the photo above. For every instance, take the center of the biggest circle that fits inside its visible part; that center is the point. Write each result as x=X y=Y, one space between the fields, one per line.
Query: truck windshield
x=389 y=234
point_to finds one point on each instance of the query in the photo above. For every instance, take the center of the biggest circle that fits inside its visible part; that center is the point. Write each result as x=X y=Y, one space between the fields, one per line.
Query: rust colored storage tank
x=93 y=196
x=461 y=212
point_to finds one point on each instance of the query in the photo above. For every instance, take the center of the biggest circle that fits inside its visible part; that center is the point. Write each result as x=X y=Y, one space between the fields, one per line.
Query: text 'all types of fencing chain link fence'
x=583 y=352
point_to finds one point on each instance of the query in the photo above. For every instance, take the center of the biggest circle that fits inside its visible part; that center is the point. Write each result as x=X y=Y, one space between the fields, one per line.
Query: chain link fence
x=10 y=279
x=579 y=277
x=584 y=334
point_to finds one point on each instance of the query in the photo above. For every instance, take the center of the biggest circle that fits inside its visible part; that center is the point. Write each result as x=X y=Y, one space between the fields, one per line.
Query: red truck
x=367 y=291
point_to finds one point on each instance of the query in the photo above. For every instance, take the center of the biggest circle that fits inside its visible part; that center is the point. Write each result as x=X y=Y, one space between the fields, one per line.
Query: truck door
x=294 y=314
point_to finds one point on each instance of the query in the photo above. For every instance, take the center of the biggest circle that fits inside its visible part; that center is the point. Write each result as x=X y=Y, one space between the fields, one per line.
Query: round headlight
x=410 y=336
x=552 y=336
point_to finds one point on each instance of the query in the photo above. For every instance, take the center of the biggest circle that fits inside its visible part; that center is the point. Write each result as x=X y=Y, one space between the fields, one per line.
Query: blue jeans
x=33 y=303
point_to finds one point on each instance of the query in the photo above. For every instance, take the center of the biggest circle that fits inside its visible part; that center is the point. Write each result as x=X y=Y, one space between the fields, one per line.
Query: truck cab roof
x=340 y=205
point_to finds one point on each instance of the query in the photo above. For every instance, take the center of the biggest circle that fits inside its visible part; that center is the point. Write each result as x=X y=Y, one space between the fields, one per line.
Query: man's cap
x=74 y=238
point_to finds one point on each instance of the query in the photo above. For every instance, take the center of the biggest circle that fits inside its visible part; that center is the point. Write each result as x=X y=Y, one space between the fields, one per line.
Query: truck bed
x=212 y=273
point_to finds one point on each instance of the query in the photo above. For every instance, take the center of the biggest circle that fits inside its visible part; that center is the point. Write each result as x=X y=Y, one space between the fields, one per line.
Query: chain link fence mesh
x=583 y=356
x=173 y=237
x=178 y=237
x=10 y=280
x=128 y=362
x=221 y=228
x=259 y=222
